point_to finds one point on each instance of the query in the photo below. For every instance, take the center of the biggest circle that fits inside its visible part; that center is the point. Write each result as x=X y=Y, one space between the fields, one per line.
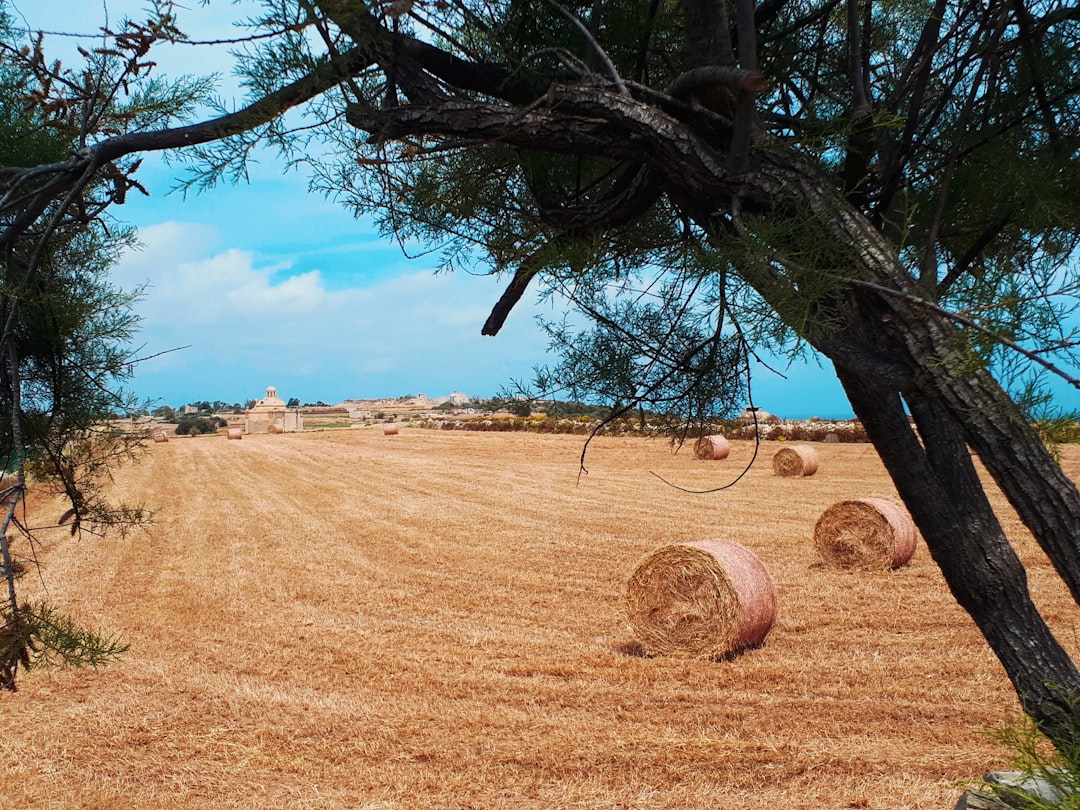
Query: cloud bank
x=249 y=321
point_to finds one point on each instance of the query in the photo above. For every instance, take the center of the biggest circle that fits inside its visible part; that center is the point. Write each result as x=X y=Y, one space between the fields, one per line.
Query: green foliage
x=195 y=425
x=519 y=407
x=65 y=350
x=38 y=635
x=667 y=354
x=1055 y=765
x=1054 y=425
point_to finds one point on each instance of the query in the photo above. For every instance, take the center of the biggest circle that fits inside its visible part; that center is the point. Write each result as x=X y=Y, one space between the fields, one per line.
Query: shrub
x=196 y=425
x=1050 y=775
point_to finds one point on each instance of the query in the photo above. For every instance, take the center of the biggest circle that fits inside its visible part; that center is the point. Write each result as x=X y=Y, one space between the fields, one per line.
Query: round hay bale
x=160 y=437
x=275 y=429
x=866 y=533
x=236 y=433
x=390 y=429
x=711 y=448
x=703 y=599
x=797 y=460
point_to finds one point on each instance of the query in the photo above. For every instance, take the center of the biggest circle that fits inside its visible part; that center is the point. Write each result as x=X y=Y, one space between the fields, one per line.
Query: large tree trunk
x=870 y=323
x=886 y=345
x=938 y=482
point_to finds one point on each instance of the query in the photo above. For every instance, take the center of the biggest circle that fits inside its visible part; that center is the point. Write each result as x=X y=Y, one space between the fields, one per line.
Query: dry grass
x=334 y=620
x=865 y=533
x=700 y=599
x=711 y=448
x=801 y=459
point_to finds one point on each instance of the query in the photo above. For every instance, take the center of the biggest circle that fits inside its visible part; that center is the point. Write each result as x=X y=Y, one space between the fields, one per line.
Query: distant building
x=271 y=415
x=751 y=413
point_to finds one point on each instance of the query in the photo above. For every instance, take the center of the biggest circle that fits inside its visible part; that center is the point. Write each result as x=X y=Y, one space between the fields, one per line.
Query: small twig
x=757 y=441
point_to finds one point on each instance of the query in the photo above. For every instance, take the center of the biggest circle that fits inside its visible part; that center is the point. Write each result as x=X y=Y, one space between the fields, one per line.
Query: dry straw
x=867 y=533
x=160 y=437
x=390 y=429
x=236 y=433
x=711 y=448
x=703 y=599
x=797 y=460
x=275 y=429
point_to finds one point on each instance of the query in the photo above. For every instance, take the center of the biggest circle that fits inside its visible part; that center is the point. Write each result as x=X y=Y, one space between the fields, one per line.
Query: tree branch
x=968 y=322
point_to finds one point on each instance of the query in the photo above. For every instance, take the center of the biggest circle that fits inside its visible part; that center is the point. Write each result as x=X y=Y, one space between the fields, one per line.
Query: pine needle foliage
x=66 y=331
x=38 y=635
x=1053 y=766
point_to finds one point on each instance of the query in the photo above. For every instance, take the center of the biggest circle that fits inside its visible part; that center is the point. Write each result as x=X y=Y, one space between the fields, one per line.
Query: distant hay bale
x=236 y=433
x=703 y=599
x=711 y=448
x=866 y=533
x=275 y=429
x=797 y=460
x=390 y=429
x=160 y=437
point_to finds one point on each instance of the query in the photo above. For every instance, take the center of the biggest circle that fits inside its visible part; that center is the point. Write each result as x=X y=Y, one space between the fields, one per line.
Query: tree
x=519 y=407
x=65 y=337
x=294 y=402
x=164 y=412
x=195 y=425
x=894 y=184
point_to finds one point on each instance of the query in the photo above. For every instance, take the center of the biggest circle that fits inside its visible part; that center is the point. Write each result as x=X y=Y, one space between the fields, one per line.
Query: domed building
x=271 y=415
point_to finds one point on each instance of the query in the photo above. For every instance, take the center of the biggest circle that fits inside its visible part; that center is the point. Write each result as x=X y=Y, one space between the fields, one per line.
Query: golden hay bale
x=796 y=460
x=236 y=433
x=160 y=437
x=867 y=533
x=275 y=429
x=703 y=599
x=390 y=429
x=711 y=448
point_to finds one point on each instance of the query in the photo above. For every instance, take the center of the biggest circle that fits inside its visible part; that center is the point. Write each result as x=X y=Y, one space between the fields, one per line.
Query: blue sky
x=267 y=284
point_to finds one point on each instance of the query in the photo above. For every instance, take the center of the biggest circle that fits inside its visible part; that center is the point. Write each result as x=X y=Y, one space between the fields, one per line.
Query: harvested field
x=334 y=620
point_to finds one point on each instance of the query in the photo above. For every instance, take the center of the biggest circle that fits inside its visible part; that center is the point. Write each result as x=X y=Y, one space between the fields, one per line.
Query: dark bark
x=708 y=40
x=940 y=486
x=64 y=176
x=632 y=194
x=511 y=295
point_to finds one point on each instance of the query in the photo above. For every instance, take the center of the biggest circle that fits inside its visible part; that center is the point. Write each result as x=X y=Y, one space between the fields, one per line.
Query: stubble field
x=434 y=620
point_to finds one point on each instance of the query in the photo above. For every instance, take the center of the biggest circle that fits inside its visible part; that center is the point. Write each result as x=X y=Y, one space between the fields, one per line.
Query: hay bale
x=236 y=433
x=797 y=460
x=390 y=429
x=703 y=599
x=866 y=533
x=711 y=448
x=275 y=429
x=160 y=437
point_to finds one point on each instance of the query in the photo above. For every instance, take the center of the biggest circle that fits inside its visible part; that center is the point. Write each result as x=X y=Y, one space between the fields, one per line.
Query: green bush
x=1050 y=774
x=196 y=425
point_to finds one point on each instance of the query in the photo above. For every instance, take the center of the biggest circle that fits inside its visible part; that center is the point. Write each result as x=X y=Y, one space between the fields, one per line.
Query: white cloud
x=250 y=322
x=260 y=298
